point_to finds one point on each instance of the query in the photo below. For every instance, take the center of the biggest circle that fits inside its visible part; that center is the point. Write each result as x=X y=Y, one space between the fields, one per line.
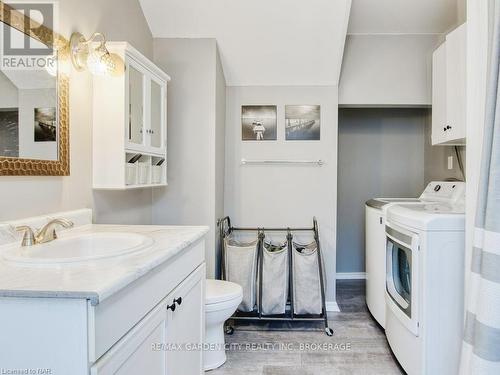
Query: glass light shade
x=99 y=61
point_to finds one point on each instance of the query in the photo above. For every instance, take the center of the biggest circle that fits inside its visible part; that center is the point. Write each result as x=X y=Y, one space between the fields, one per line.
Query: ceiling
x=292 y=42
x=404 y=16
x=261 y=42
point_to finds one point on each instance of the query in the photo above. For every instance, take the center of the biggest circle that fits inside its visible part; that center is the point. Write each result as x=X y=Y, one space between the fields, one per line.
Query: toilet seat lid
x=221 y=291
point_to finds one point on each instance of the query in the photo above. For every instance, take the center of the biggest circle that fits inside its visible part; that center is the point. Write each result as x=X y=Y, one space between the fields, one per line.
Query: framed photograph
x=45 y=125
x=302 y=122
x=258 y=123
x=9 y=132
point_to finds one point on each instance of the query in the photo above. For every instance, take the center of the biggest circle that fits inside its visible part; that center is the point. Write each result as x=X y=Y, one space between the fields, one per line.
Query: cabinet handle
x=448 y=127
x=178 y=301
x=171 y=307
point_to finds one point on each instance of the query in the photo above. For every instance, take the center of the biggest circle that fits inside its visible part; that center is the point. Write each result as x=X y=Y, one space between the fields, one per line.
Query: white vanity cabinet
x=449 y=90
x=159 y=343
x=130 y=123
x=135 y=330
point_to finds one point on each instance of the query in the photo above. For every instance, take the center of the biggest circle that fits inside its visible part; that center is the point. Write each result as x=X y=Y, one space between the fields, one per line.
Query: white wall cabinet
x=449 y=90
x=130 y=124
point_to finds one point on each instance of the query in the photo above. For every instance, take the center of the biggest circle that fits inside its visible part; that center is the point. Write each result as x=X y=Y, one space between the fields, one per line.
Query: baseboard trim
x=331 y=306
x=351 y=275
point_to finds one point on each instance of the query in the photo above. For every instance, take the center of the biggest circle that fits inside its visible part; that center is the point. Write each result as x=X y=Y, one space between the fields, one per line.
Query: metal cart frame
x=225 y=229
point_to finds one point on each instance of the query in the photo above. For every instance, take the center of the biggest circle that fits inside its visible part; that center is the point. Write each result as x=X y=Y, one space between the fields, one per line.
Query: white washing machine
x=375 y=211
x=375 y=240
x=425 y=245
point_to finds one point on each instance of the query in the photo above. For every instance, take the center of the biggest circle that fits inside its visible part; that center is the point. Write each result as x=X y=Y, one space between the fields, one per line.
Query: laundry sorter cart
x=295 y=291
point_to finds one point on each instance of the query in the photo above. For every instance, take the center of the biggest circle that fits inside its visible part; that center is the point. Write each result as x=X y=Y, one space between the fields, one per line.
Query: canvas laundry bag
x=306 y=279
x=275 y=275
x=241 y=268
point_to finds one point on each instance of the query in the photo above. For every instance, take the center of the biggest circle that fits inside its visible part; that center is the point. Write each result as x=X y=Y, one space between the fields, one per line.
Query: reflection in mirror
x=136 y=113
x=28 y=110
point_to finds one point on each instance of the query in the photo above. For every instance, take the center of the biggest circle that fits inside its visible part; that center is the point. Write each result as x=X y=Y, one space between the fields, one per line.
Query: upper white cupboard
x=449 y=90
x=130 y=123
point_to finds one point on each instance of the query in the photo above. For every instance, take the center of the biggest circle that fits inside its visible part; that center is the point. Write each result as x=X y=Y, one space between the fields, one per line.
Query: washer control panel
x=452 y=192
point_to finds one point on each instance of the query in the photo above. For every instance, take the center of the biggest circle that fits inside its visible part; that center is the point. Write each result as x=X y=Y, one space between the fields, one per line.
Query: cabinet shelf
x=129 y=187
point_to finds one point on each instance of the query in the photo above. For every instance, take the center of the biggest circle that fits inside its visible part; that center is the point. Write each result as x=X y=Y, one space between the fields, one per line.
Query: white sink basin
x=79 y=248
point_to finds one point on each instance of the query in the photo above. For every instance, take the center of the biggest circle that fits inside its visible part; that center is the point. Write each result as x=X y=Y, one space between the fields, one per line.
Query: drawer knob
x=178 y=301
x=171 y=307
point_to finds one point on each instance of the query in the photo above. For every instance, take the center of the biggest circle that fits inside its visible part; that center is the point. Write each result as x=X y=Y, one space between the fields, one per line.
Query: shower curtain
x=481 y=344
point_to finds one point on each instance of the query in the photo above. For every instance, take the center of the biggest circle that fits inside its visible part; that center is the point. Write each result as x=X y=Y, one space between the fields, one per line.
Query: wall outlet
x=450 y=162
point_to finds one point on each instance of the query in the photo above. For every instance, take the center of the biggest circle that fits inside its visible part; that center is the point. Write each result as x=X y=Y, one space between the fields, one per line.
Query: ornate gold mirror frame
x=34 y=167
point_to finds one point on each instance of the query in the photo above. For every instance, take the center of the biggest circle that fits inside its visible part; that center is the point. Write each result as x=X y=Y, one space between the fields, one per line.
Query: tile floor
x=358 y=345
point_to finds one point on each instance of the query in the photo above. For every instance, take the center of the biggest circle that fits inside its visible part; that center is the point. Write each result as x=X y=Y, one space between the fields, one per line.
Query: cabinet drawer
x=114 y=317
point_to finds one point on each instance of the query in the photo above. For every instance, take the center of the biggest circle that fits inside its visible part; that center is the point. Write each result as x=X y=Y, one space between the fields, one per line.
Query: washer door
x=402 y=274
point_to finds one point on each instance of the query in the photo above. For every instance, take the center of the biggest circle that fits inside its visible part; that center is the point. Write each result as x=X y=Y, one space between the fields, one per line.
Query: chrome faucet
x=46 y=234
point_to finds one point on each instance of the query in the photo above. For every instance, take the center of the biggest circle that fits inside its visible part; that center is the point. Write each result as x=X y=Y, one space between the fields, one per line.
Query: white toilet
x=221 y=300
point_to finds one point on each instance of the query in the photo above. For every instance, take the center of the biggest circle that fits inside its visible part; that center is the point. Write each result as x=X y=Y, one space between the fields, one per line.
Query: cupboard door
x=186 y=326
x=140 y=351
x=439 y=100
x=456 y=85
x=136 y=118
x=157 y=114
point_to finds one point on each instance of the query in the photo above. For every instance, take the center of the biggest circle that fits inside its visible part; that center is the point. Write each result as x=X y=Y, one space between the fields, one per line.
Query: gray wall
x=220 y=150
x=382 y=152
x=196 y=114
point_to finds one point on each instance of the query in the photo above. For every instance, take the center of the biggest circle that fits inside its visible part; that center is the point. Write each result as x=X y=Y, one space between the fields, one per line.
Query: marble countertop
x=99 y=279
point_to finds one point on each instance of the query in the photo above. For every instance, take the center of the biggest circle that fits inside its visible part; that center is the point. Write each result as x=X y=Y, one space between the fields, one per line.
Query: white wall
x=257 y=195
x=10 y=93
x=193 y=196
x=387 y=70
x=30 y=196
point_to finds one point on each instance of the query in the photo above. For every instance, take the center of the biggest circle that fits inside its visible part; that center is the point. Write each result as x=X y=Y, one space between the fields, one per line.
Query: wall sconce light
x=92 y=54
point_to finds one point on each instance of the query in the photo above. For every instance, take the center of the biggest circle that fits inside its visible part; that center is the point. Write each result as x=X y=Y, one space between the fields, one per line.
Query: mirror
x=33 y=99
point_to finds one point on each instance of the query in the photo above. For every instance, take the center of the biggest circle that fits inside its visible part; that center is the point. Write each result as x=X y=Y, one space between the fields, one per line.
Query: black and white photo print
x=258 y=123
x=45 y=125
x=302 y=122
x=9 y=132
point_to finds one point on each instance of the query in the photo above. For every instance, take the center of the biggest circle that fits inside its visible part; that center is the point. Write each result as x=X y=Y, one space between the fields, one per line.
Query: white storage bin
x=275 y=280
x=156 y=174
x=241 y=268
x=131 y=173
x=143 y=172
x=306 y=279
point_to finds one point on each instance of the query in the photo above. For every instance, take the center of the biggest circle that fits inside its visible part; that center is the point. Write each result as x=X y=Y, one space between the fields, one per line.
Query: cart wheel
x=229 y=330
x=329 y=331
